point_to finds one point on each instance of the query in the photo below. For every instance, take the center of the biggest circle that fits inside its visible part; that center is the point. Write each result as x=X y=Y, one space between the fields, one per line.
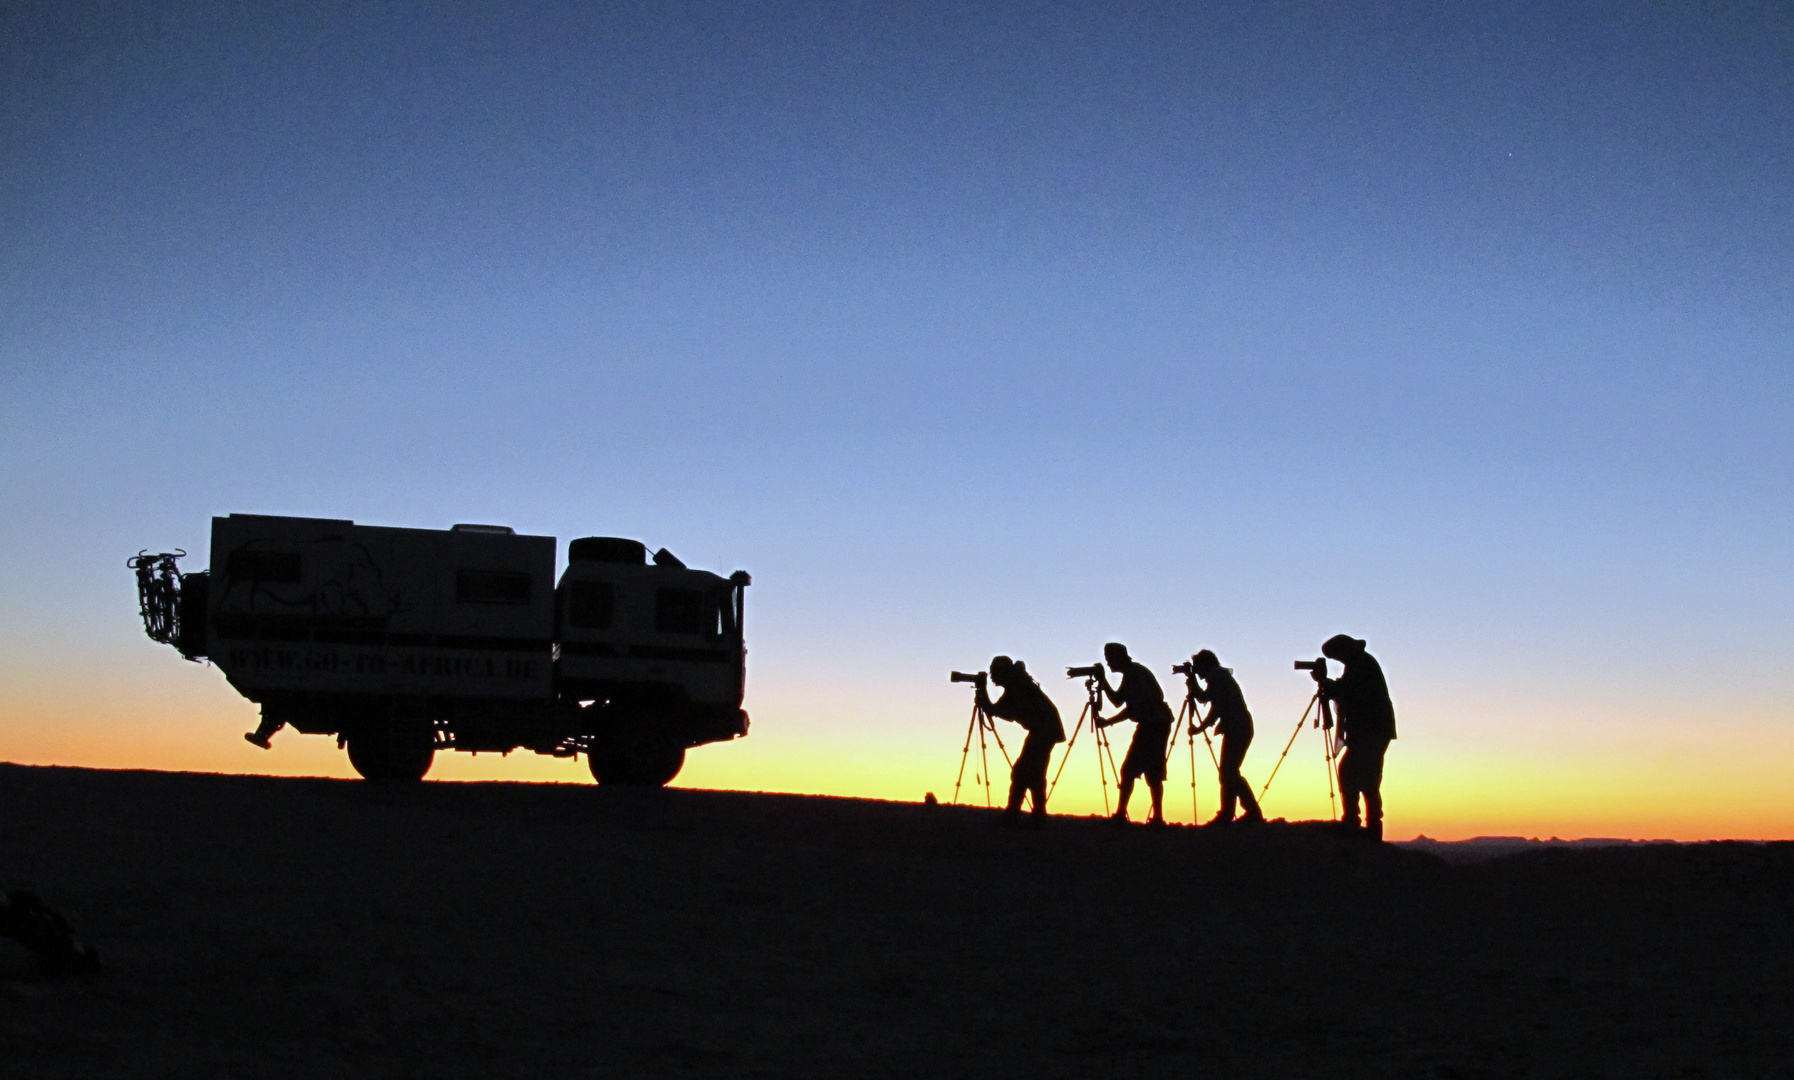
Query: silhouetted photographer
x=1366 y=719
x=1025 y=703
x=1142 y=701
x=1233 y=722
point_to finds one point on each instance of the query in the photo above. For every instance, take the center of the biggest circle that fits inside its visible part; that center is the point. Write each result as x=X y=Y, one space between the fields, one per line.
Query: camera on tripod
x=1094 y=671
x=1187 y=669
x=978 y=677
x=1318 y=667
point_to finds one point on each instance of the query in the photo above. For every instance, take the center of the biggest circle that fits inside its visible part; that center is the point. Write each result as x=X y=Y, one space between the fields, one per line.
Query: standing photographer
x=1024 y=702
x=1233 y=722
x=1142 y=701
x=1366 y=727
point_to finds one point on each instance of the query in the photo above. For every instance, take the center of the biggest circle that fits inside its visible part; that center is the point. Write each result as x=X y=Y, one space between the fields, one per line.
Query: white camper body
x=311 y=605
x=404 y=641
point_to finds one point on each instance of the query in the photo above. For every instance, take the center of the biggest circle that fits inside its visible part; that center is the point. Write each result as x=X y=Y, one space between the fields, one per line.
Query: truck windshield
x=708 y=613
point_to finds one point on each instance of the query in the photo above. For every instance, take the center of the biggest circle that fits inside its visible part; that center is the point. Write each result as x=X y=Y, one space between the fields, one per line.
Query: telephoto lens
x=1094 y=671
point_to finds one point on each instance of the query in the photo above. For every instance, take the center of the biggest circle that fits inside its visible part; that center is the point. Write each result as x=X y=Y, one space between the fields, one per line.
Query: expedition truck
x=402 y=642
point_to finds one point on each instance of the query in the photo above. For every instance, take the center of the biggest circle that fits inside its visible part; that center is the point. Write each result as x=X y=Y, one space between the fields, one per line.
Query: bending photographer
x=1024 y=702
x=1142 y=701
x=1366 y=719
x=1233 y=722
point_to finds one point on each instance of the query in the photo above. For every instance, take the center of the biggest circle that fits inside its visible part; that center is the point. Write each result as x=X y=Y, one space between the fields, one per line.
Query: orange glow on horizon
x=1439 y=783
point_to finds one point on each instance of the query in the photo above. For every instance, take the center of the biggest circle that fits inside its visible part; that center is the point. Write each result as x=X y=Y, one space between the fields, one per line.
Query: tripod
x=983 y=725
x=1093 y=708
x=1187 y=716
x=1323 y=719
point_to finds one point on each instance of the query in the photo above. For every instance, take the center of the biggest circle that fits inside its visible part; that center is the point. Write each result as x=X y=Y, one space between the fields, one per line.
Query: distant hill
x=1490 y=847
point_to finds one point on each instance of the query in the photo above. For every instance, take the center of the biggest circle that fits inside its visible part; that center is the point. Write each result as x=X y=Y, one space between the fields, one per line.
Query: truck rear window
x=491 y=587
x=591 y=604
x=279 y=566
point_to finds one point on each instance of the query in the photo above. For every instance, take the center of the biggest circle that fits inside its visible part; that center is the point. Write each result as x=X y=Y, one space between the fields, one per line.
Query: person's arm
x=1204 y=694
x=1116 y=718
x=1002 y=708
x=1329 y=688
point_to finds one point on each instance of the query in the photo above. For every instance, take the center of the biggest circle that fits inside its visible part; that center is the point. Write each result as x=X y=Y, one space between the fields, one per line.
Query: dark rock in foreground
x=271 y=928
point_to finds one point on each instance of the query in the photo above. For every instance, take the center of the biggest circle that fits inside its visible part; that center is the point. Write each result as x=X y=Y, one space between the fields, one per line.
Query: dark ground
x=257 y=927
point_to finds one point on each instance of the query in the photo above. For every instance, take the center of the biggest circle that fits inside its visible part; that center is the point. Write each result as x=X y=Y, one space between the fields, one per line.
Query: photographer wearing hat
x=1366 y=727
x=1142 y=701
x=1233 y=722
x=1024 y=702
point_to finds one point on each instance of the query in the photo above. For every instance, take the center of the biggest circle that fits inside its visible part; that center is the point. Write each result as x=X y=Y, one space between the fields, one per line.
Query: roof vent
x=490 y=530
x=663 y=557
x=607 y=549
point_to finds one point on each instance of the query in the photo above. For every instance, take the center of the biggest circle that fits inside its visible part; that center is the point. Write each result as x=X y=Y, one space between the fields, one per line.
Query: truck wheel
x=392 y=751
x=638 y=759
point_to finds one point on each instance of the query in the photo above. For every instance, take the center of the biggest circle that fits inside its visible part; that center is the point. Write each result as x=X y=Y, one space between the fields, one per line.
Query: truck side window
x=491 y=587
x=277 y=566
x=685 y=611
x=591 y=604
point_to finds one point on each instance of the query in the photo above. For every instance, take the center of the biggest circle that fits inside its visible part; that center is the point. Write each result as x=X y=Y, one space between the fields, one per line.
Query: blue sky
x=967 y=328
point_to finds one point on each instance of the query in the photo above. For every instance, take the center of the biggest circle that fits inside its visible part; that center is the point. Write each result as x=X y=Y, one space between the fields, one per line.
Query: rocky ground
x=258 y=927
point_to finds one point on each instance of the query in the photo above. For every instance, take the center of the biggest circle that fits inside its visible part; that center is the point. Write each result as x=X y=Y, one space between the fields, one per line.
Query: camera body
x=979 y=678
x=1094 y=671
x=1187 y=669
x=1317 y=668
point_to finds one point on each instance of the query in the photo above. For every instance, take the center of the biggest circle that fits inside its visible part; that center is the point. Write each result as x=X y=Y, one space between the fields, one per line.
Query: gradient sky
x=967 y=328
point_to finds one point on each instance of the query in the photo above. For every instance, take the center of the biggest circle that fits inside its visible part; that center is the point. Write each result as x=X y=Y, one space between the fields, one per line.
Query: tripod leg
x=1065 y=757
x=964 y=752
x=1185 y=716
x=1176 y=726
x=1292 y=741
x=1195 y=811
x=1102 y=746
x=997 y=734
x=1331 y=751
x=983 y=754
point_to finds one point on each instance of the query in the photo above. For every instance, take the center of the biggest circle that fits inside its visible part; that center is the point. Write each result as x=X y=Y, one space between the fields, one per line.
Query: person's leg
x=264 y=731
x=1248 y=801
x=1029 y=776
x=1152 y=766
x=1018 y=784
x=1230 y=769
x=1348 y=786
x=1038 y=781
x=1373 y=790
x=1133 y=766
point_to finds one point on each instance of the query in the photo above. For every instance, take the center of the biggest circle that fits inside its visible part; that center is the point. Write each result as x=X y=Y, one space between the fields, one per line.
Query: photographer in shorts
x=1142 y=701
x=1233 y=722
x=1366 y=720
x=1024 y=702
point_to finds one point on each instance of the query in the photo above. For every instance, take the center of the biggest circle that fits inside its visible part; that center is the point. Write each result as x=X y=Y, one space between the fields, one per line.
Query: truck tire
x=402 y=752
x=635 y=758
